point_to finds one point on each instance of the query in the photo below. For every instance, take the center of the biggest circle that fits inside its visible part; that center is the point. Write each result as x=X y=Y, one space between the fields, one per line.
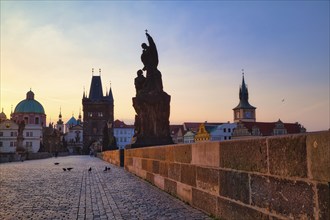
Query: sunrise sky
x=283 y=47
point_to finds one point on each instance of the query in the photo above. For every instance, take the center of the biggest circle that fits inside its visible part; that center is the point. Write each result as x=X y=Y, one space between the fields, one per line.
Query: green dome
x=29 y=105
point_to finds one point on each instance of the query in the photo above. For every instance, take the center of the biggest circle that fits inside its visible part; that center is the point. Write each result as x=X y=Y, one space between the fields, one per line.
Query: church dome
x=29 y=105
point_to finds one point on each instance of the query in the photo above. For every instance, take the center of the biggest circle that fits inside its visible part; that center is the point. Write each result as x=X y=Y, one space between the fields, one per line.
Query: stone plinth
x=152 y=119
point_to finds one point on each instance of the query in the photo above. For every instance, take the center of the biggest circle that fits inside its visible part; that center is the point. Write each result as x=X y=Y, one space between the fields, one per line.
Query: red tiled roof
x=120 y=124
x=175 y=128
x=266 y=128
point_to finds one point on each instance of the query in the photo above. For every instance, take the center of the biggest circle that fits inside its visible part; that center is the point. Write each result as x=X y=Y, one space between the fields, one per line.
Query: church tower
x=60 y=124
x=244 y=111
x=98 y=112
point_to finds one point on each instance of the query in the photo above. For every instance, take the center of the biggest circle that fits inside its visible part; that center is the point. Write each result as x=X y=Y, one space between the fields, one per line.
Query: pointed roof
x=96 y=92
x=72 y=121
x=110 y=96
x=244 y=97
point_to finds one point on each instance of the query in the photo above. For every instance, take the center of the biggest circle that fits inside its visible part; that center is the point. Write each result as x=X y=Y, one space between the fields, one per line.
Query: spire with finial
x=79 y=117
x=110 y=96
x=60 y=115
x=60 y=122
x=11 y=112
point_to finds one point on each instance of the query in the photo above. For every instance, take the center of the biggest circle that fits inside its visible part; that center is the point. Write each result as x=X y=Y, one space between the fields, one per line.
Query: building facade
x=222 y=132
x=98 y=114
x=74 y=139
x=8 y=136
x=123 y=133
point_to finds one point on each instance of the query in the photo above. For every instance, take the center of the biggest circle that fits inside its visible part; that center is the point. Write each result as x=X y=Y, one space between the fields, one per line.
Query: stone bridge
x=279 y=177
x=284 y=177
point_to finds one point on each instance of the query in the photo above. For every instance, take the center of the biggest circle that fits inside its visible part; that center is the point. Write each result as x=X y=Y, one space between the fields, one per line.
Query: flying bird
x=90 y=169
x=56 y=163
x=70 y=168
x=64 y=169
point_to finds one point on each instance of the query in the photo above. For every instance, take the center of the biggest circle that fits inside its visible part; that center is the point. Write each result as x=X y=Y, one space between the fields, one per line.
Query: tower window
x=36 y=121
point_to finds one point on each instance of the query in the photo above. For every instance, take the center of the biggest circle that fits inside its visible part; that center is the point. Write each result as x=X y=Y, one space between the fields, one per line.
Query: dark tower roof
x=244 y=97
x=96 y=93
x=110 y=96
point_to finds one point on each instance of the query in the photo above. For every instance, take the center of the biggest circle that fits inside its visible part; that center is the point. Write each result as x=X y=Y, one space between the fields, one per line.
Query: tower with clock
x=244 y=111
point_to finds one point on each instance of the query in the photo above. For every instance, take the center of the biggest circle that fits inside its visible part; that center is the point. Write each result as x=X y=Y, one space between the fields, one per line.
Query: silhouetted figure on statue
x=149 y=55
x=149 y=58
x=139 y=81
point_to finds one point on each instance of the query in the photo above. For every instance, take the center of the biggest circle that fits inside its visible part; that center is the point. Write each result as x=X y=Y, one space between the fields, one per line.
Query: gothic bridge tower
x=98 y=112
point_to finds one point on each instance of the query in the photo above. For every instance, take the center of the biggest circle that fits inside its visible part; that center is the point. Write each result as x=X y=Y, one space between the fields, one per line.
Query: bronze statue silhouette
x=149 y=58
x=149 y=55
x=139 y=81
x=151 y=103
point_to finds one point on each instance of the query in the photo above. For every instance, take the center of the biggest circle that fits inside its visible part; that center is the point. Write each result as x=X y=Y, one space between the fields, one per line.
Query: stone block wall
x=112 y=156
x=280 y=177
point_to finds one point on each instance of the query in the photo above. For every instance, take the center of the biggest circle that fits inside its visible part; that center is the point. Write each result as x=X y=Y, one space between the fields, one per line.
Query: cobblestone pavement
x=39 y=189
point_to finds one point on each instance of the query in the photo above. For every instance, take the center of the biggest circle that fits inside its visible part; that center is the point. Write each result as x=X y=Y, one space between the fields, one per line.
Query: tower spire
x=60 y=115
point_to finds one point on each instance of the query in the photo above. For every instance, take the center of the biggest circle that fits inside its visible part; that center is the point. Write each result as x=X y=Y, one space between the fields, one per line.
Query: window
x=224 y=130
x=1 y=134
x=36 y=120
x=228 y=129
x=13 y=134
x=1 y=144
x=29 y=134
x=12 y=144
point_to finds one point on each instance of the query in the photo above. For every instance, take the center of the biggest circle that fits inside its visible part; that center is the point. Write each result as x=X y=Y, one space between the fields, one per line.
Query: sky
x=51 y=47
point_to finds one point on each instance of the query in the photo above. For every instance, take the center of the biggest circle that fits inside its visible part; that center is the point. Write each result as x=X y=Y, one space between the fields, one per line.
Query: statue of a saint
x=139 y=81
x=149 y=55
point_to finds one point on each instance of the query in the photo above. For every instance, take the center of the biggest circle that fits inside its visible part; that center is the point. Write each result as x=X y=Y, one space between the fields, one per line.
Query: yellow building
x=202 y=134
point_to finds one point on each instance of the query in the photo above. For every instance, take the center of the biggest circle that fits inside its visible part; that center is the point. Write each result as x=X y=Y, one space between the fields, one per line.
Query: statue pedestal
x=152 y=119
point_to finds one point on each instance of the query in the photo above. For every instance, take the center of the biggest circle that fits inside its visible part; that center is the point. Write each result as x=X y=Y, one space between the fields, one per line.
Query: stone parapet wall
x=280 y=177
x=112 y=156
